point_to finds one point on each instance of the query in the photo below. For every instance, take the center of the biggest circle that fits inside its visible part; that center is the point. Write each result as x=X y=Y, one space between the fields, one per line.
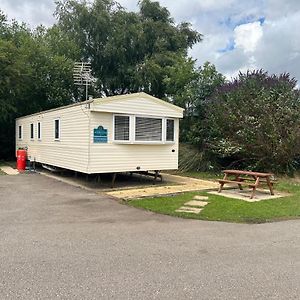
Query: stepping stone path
x=197 y=197
x=188 y=207
x=185 y=209
x=196 y=203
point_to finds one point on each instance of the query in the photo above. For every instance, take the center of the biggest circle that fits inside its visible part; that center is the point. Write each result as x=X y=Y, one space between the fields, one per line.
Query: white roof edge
x=175 y=114
x=141 y=94
x=107 y=99
x=57 y=108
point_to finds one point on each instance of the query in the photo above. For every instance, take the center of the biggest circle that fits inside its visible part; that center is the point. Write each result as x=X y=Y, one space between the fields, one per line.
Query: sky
x=237 y=34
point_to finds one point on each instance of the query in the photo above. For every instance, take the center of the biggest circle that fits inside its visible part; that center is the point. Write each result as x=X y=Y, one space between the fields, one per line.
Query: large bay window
x=143 y=129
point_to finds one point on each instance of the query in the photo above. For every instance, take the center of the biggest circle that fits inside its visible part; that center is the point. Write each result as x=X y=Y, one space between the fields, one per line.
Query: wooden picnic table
x=243 y=177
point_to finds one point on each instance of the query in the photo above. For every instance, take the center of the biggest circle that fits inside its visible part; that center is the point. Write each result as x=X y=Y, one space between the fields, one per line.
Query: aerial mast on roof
x=82 y=75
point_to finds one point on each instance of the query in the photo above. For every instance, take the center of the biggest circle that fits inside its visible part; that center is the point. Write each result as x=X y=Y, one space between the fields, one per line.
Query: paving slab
x=197 y=197
x=196 y=203
x=187 y=209
x=9 y=170
x=245 y=194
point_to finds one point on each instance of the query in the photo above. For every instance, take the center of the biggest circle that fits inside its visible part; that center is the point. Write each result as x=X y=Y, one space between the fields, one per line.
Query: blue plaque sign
x=100 y=135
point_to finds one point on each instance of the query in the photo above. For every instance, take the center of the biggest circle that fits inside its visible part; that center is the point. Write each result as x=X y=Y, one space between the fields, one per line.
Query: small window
x=20 y=132
x=57 y=129
x=31 y=131
x=39 y=133
x=121 y=132
x=148 y=129
x=170 y=130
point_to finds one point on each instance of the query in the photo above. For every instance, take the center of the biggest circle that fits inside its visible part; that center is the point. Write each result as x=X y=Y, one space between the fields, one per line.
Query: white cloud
x=247 y=36
x=31 y=12
x=279 y=49
x=274 y=45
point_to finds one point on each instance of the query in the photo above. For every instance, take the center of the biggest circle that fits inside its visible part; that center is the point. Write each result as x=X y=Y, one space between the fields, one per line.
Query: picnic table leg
x=222 y=184
x=237 y=178
x=254 y=188
x=253 y=193
x=270 y=185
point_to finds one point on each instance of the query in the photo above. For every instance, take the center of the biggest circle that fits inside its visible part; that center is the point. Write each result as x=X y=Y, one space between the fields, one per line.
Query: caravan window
x=57 y=129
x=170 y=130
x=39 y=133
x=143 y=129
x=148 y=129
x=31 y=131
x=121 y=128
x=20 y=132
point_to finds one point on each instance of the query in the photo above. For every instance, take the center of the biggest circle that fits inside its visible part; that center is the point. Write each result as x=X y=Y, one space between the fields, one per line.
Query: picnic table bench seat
x=237 y=182
x=262 y=180
x=242 y=179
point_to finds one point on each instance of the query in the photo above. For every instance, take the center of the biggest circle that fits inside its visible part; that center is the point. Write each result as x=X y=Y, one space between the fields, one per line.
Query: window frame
x=59 y=129
x=129 y=141
x=132 y=129
x=20 y=127
x=31 y=131
x=174 y=131
x=162 y=141
x=39 y=130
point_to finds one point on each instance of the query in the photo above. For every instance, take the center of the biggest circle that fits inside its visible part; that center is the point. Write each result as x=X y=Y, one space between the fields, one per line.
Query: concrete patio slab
x=246 y=193
x=196 y=203
x=186 y=209
x=9 y=170
x=197 y=197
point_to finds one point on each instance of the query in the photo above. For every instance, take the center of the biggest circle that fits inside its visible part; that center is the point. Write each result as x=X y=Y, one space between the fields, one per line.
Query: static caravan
x=127 y=133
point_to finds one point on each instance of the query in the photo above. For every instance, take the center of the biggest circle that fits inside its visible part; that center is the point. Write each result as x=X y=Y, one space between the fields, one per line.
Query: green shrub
x=254 y=122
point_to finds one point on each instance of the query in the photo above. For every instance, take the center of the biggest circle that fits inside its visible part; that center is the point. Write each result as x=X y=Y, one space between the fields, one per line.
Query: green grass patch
x=231 y=210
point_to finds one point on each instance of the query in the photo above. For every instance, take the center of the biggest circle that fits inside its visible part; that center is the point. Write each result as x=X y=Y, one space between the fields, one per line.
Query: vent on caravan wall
x=82 y=75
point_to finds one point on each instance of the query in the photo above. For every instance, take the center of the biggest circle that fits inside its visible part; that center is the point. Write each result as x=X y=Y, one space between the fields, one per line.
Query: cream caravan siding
x=71 y=151
x=140 y=104
x=118 y=157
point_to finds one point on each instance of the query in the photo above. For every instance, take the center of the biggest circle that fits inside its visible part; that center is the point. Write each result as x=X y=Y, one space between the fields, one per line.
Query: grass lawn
x=231 y=210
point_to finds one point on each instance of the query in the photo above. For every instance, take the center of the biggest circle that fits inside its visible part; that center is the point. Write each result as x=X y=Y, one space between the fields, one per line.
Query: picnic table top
x=250 y=173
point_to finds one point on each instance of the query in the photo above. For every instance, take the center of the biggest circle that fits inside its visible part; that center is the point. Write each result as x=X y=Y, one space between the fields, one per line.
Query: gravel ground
x=61 y=242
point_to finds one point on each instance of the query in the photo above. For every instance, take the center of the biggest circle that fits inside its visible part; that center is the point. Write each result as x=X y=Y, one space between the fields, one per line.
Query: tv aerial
x=82 y=75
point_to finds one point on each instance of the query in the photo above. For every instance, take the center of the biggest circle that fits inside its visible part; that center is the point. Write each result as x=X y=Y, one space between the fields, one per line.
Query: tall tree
x=33 y=77
x=190 y=88
x=129 y=51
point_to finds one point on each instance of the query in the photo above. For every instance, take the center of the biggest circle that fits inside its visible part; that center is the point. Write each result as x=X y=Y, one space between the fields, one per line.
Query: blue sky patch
x=229 y=47
x=261 y=20
x=232 y=22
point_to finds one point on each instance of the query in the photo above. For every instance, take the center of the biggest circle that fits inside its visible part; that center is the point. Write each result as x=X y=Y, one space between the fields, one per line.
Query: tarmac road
x=62 y=242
